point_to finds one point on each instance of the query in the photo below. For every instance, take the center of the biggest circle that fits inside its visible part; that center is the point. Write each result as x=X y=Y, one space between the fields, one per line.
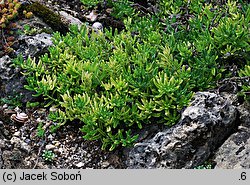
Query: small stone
x=50 y=147
x=24 y=146
x=39 y=120
x=105 y=164
x=53 y=109
x=17 y=134
x=56 y=143
x=92 y=17
x=15 y=140
x=50 y=137
x=2 y=143
x=61 y=150
x=5 y=106
x=80 y=164
x=27 y=140
x=17 y=110
x=56 y=151
x=97 y=27
x=47 y=124
x=88 y=155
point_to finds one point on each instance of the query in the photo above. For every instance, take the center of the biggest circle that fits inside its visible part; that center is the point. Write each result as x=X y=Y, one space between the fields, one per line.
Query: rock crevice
x=204 y=126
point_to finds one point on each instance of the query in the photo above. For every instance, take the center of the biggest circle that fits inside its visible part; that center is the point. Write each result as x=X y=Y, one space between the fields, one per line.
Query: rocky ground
x=22 y=148
x=214 y=128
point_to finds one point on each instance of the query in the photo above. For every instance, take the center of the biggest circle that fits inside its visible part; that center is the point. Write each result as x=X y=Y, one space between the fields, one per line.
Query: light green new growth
x=115 y=83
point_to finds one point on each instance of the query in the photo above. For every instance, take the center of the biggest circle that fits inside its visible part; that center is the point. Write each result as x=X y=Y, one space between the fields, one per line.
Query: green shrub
x=40 y=130
x=119 y=9
x=12 y=100
x=245 y=72
x=48 y=155
x=90 y=3
x=213 y=35
x=206 y=165
x=115 y=83
x=112 y=86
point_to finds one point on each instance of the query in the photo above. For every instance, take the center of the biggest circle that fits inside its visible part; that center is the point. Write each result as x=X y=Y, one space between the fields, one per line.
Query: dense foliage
x=115 y=83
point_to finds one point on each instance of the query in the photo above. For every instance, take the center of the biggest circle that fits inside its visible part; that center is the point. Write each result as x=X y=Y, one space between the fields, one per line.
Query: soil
x=22 y=147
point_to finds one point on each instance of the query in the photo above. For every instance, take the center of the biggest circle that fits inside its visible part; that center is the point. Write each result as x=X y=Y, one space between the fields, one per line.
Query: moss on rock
x=48 y=16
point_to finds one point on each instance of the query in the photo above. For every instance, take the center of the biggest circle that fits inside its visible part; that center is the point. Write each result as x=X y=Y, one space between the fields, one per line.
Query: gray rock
x=25 y=147
x=203 y=127
x=29 y=28
x=12 y=159
x=7 y=71
x=80 y=164
x=235 y=152
x=17 y=134
x=14 y=88
x=10 y=79
x=69 y=19
x=34 y=46
x=1 y=160
x=28 y=45
x=97 y=27
x=20 y=144
x=2 y=143
x=50 y=147
x=244 y=111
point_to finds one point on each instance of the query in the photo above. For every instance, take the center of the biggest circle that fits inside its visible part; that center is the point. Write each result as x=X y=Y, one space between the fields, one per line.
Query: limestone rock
x=244 y=111
x=10 y=79
x=7 y=71
x=34 y=45
x=235 y=152
x=80 y=164
x=12 y=159
x=92 y=17
x=97 y=27
x=203 y=127
x=20 y=144
x=1 y=160
x=69 y=19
